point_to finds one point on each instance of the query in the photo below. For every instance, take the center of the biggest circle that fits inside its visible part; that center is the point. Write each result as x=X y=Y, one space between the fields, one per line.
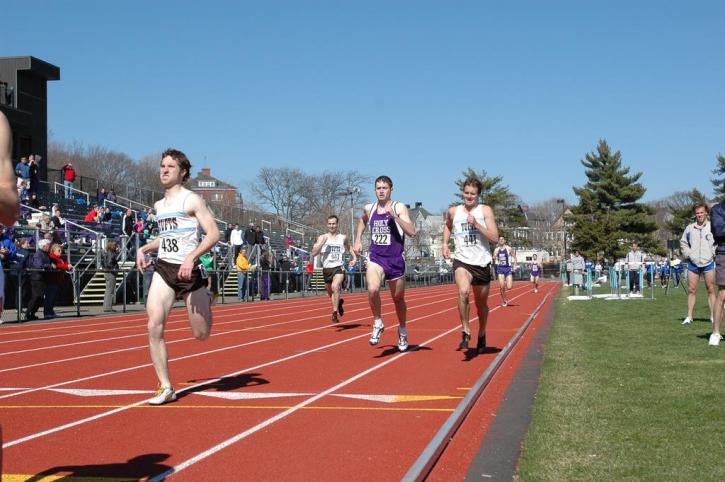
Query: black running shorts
x=329 y=273
x=481 y=274
x=169 y=272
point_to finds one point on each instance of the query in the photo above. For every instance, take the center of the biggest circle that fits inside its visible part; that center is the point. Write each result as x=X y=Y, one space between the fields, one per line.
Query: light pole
x=352 y=191
x=563 y=210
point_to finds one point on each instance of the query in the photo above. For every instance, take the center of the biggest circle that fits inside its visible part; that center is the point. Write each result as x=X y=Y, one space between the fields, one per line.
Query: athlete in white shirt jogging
x=473 y=226
x=178 y=272
x=332 y=245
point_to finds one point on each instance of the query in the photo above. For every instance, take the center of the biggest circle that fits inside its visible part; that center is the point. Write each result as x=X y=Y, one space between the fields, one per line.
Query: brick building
x=213 y=190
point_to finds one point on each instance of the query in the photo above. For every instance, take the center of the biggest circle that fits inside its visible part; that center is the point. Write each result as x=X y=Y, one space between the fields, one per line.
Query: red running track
x=276 y=393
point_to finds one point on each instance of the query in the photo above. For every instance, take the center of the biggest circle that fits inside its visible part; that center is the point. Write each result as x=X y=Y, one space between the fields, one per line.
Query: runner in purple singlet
x=389 y=222
x=505 y=261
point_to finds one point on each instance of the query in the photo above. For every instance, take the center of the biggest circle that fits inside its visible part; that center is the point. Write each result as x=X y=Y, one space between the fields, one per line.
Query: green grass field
x=627 y=393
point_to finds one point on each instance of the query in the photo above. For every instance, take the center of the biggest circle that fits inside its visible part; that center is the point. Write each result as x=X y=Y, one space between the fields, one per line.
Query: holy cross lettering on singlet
x=380 y=232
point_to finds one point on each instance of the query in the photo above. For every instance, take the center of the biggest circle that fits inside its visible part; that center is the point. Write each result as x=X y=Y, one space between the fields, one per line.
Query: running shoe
x=163 y=395
x=536 y=290
x=715 y=339
x=465 y=338
x=481 y=345
x=505 y=303
x=377 y=333
x=402 y=341
x=334 y=317
x=340 y=308
x=686 y=321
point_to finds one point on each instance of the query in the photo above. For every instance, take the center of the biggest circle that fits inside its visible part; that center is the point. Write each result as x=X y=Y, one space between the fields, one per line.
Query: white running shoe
x=715 y=339
x=686 y=321
x=377 y=333
x=402 y=341
x=536 y=290
x=163 y=395
x=505 y=303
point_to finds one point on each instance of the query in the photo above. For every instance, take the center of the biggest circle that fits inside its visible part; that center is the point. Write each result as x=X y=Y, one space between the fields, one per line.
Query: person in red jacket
x=69 y=177
x=55 y=279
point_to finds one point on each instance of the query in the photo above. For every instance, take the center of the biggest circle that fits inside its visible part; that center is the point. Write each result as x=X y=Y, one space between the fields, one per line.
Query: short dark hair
x=384 y=179
x=181 y=159
x=701 y=205
x=333 y=216
x=472 y=181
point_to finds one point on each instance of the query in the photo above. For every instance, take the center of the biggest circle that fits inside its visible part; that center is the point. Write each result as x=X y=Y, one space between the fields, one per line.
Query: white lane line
x=190 y=388
x=232 y=440
x=121 y=350
x=194 y=355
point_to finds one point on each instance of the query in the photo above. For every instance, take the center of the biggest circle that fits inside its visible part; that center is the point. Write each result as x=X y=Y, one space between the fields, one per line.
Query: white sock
x=378 y=323
x=403 y=331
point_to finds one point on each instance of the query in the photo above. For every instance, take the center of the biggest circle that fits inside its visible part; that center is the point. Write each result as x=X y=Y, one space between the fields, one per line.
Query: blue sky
x=415 y=90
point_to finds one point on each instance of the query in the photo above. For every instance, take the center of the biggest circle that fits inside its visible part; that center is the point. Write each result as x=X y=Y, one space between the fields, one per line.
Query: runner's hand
x=185 y=269
x=141 y=261
x=471 y=219
x=357 y=248
x=446 y=252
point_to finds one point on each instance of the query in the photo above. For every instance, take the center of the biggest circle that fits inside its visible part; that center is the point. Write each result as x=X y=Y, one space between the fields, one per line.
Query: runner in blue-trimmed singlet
x=535 y=272
x=389 y=223
x=505 y=264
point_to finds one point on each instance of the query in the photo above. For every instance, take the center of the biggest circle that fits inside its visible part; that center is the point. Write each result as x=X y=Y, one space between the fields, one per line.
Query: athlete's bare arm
x=361 y=225
x=353 y=258
x=400 y=213
x=8 y=188
x=317 y=248
x=197 y=207
x=447 y=228
x=490 y=231
x=151 y=247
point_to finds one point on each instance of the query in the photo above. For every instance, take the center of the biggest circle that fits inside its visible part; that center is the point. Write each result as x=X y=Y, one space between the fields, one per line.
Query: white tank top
x=178 y=231
x=471 y=247
x=332 y=251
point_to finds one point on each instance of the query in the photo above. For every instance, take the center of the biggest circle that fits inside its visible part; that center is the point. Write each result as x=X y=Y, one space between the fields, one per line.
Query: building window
x=207 y=184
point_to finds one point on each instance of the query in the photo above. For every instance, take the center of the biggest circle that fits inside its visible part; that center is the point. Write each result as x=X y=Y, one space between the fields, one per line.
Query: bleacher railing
x=63 y=187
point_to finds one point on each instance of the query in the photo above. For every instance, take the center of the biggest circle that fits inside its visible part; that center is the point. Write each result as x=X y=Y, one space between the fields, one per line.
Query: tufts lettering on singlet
x=332 y=251
x=178 y=231
x=471 y=247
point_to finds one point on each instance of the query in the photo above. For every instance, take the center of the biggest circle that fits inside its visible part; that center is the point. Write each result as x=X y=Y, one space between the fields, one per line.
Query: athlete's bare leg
x=711 y=290
x=463 y=282
x=480 y=297
x=333 y=290
x=161 y=298
x=397 y=291
x=374 y=277
x=197 y=305
x=502 y=283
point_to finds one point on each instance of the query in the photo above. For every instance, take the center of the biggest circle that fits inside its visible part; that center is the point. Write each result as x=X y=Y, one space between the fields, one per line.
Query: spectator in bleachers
x=242 y=264
x=284 y=267
x=33 y=201
x=265 y=265
x=112 y=196
x=109 y=263
x=297 y=272
x=34 y=170
x=55 y=279
x=38 y=264
x=127 y=223
x=22 y=171
x=250 y=237
x=23 y=192
x=107 y=215
x=259 y=236
x=56 y=221
x=18 y=265
x=44 y=225
x=236 y=240
x=92 y=215
x=101 y=196
x=151 y=218
x=69 y=178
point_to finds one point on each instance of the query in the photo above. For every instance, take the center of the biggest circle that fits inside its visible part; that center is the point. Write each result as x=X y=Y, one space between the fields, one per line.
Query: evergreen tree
x=719 y=179
x=608 y=216
x=506 y=205
x=681 y=209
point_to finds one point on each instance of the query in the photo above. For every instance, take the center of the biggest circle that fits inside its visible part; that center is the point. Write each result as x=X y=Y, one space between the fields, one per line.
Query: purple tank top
x=386 y=237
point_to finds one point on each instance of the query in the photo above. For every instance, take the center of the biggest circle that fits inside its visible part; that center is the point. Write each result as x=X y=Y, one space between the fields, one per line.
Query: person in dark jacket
x=39 y=263
x=110 y=266
x=55 y=279
x=259 y=236
x=18 y=276
x=250 y=237
x=717 y=227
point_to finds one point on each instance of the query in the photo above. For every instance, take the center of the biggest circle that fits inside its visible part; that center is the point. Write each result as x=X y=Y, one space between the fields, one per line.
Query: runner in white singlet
x=473 y=226
x=8 y=191
x=332 y=246
x=178 y=272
